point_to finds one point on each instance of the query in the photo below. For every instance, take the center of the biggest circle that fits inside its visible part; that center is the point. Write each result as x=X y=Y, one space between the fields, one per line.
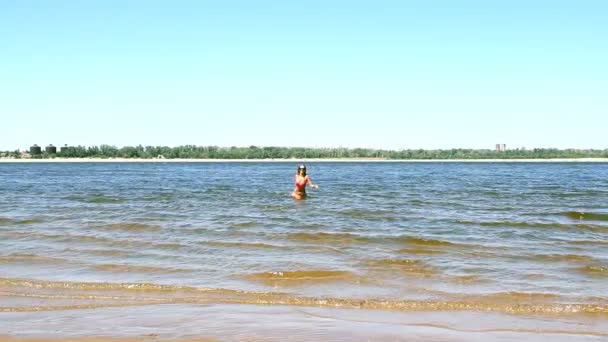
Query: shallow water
x=510 y=238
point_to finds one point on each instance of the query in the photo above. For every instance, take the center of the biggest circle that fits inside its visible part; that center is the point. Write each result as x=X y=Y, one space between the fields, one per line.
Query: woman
x=301 y=180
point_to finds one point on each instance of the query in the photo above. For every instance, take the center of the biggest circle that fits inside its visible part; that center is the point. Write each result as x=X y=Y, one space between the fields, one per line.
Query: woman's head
x=301 y=170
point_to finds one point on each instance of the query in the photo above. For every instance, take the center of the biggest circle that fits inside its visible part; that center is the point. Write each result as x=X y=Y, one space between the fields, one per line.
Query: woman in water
x=301 y=180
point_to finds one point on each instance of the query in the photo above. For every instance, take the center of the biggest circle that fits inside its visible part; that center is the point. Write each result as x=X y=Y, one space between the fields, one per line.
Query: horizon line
x=520 y=148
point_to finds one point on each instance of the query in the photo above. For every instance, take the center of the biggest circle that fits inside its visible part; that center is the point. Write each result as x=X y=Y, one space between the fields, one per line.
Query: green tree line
x=255 y=152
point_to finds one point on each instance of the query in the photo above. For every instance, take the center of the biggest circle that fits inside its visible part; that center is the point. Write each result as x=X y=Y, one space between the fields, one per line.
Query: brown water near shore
x=28 y=295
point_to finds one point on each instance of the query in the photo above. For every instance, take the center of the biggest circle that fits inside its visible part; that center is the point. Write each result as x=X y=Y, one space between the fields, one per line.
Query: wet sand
x=150 y=337
x=284 y=323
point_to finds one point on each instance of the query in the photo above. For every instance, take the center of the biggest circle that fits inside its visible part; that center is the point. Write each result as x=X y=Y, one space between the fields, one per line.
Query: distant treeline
x=254 y=152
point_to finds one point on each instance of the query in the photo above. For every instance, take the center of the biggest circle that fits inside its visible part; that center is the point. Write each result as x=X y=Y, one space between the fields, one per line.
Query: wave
x=506 y=302
x=518 y=224
x=138 y=269
x=68 y=238
x=405 y=266
x=467 y=279
x=170 y=246
x=328 y=237
x=259 y=245
x=5 y=220
x=366 y=214
x=521 y=297
x=96 y=199
x=419 y=202
x=157 y=197
x=106 y=252
x=256 y=245
x=100 y=240
x=312 y=226
x=543 y=225
x=286 y=277
x=585 y=216
x=29 y=258
x=246 y=224
x=61 y=308
x=104 y=199
x=105 y=241
x=393 y=262
x=586 y=242
x=57 y=237
x=29 y=220
x=412 y=240
x=574 y=258
x=134 y=227
x=281 y=219
x=593 y=270
x=346 y=238
x=97 y=286
x=420 y=251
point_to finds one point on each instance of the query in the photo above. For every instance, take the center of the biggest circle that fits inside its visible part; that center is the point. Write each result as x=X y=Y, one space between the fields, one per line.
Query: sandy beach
x=296 y=160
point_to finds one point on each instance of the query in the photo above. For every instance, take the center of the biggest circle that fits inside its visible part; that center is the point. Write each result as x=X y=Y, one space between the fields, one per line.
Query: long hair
x=301 y=170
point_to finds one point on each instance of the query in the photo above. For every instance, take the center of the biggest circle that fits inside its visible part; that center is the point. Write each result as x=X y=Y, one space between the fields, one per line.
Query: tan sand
x=149 y=337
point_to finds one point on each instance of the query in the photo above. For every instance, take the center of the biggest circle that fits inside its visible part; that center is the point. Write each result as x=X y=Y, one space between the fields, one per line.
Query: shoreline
x=299 y=160
x=234 y=322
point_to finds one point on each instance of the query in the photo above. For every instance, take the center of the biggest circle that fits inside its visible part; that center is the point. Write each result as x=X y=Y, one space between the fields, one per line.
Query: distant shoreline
x=299 y=160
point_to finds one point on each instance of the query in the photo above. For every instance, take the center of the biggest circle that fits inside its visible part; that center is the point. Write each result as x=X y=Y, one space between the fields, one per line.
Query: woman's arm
x=309 y=181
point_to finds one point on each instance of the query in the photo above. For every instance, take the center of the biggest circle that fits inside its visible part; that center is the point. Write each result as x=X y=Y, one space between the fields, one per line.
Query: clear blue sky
x=380 y=74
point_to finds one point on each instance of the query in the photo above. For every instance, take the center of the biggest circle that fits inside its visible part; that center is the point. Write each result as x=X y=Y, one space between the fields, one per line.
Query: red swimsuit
x=301 y=185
